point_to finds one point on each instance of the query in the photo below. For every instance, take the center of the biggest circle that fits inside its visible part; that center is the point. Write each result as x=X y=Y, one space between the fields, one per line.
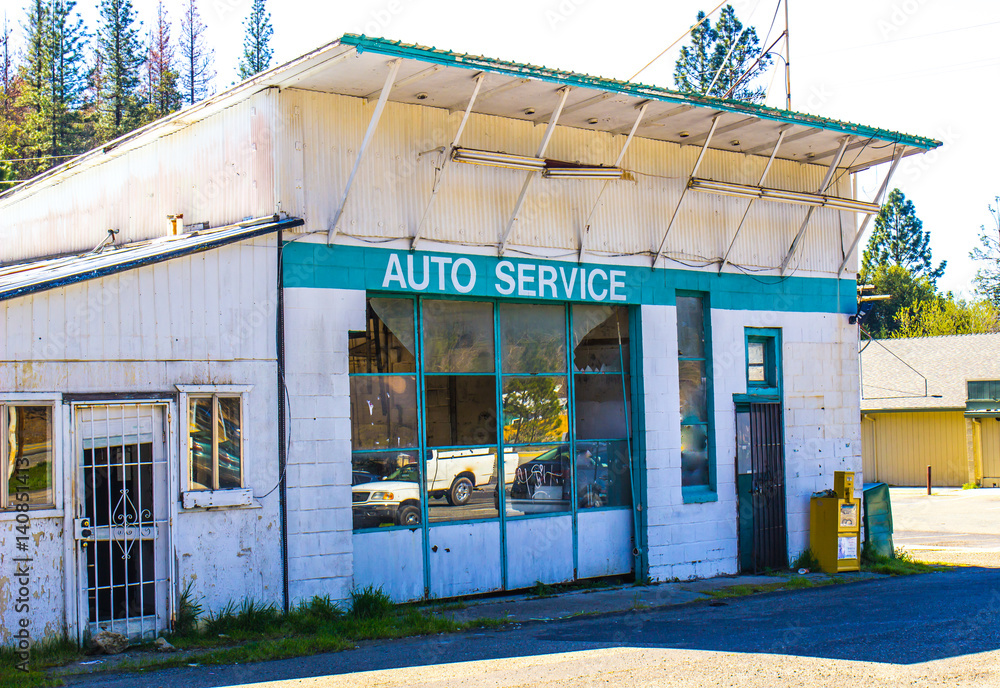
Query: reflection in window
x=534 y=409
x=215 y=445
x=532 y=338
x=26 y=457
x=603 y=477
x=600 y=339
x=388 y=344
x=538 y=480
x=600 y=406
x=460 y=410
x=384 y=411
x=458 y=337
x=462 y=484
x=385 y=489
x=694 y=385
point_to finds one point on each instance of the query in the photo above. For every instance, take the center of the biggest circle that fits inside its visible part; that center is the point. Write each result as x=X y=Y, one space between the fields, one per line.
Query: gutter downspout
x=282 y=448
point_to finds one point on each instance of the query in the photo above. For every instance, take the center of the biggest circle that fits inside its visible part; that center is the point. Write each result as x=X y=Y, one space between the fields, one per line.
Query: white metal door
x=122 y=529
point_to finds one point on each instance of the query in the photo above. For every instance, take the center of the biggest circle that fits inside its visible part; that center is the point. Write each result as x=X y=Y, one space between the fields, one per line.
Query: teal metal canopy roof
x=565 y=78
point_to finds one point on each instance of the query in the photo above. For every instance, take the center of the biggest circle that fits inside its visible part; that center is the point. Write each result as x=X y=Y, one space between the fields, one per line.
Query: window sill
x=699 y=495
x=218 y=499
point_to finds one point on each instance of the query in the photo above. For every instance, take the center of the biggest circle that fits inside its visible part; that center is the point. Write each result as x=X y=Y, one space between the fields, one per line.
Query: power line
x=679 y=39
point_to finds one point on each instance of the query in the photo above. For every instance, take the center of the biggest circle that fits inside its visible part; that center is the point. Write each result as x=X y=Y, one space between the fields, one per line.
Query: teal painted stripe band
x=422 y=272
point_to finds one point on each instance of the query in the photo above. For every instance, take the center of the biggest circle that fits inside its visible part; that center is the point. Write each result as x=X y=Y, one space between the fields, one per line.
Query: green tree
x=11 y=109
x=899 y=239
x=66 y=39
x=987 y=279
x=718 y=56
x=906 y=290
x=947 y=315
x=256 y=41
x=195 y=56
x=161 y=79
x=120 y=57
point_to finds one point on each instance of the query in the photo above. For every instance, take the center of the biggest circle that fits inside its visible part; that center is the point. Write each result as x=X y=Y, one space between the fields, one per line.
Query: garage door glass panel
x=384 y=412
x=603 y=477
x=538 y=479
x=532 y=338
x=458 y=337
x=462 y=484
x=535 y=409
x=461 y=410
x=600 y=406
x=388 y=343
x=385 y=489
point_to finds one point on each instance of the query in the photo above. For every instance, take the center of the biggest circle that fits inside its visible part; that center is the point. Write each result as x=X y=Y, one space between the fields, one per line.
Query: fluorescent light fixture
x=495 y=159
x=584 y=172
x=783 y=196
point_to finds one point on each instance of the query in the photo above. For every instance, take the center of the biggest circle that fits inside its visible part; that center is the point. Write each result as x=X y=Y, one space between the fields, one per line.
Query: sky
x=924 y=67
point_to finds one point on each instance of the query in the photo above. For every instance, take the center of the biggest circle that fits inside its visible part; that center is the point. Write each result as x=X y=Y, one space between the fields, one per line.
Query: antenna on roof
x=788 y=61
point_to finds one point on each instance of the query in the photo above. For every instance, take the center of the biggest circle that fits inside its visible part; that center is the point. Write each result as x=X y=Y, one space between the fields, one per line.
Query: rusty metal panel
x=464 y=558
x=606 y=541
x=539 y=549
x=392 y=560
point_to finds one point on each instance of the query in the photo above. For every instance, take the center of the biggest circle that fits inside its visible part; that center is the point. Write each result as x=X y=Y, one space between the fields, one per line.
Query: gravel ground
x=950 y=526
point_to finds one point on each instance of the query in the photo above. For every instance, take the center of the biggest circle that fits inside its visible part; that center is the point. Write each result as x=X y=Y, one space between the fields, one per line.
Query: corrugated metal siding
x=898 y=447
x=397 y=173
x=991 y=448
x=219 y=171
x=146 y=314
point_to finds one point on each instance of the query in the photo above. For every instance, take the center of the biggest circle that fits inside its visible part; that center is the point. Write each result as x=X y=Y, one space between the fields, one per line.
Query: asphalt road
x=933 y=629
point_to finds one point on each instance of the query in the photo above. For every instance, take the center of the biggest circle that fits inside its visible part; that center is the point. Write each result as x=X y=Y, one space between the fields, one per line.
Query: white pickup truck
x=453 y=474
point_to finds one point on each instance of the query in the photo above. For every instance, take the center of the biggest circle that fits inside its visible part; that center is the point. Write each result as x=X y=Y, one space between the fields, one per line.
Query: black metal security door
x=770 y=548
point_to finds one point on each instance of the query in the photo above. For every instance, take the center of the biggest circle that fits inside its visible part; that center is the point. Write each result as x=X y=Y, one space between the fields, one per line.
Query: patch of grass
x=901 y=563
x=42 y=655
x=970 y=486
x=541 y=590
x=370 y=602
x=189 y=610
x=806 y=560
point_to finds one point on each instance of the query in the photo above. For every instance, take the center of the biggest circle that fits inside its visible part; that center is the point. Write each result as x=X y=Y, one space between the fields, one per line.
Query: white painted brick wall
x=320 y=552
x=822 y=434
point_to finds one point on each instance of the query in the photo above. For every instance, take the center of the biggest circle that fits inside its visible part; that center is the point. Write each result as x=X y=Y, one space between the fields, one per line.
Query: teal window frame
x=699 y=494
x=770 y=389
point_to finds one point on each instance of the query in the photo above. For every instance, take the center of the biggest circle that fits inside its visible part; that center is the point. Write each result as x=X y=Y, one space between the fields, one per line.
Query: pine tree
x=718 y=56
x=899 y=239
x=11 y=113
x=121 y=57
x=195 y=56
x=66 y=39
x=256 y=42
x=987 y=279
x=161 y=79
x=29 y=145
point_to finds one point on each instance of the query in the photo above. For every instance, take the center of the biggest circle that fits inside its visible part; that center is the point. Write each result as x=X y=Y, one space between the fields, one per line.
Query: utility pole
x=788 y=60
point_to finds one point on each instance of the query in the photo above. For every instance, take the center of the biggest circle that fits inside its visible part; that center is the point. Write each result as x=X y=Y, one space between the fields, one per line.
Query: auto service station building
x=427 y=321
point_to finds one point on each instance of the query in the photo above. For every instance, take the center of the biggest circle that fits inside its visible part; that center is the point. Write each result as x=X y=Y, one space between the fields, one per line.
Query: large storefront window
x=462 y=408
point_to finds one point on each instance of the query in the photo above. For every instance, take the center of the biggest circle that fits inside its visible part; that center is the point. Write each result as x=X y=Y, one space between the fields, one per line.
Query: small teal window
x=762 y=361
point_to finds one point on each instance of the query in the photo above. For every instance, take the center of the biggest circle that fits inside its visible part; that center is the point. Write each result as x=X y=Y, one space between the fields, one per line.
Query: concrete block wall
x=320 y=550
x=822 y=432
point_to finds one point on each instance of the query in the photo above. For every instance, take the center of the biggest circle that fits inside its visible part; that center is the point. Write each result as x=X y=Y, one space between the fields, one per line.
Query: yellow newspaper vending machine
x=835 y=526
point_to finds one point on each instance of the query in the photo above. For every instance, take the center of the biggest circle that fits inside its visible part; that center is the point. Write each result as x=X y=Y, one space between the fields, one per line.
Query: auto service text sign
x=500 y=277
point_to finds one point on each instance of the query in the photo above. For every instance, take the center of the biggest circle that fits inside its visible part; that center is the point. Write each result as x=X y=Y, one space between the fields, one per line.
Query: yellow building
x=931 y=401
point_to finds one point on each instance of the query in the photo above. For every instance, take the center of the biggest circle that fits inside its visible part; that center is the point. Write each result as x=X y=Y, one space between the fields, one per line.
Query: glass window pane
x=755 y=353
x=596 y=333
x=230 y=443
x=694 y=455
x=532 y=338
x=460 y=410
x=29 y=447
x=756 y=373
x=385 y=489
x=462 y=484
x=602 y=475
x=384 y=412
x=600 y=406
x=458 y=337
x=690 y=327
x=743 y=463
x=537 y=479
x=200 y=442
x=534 y=409
x=388 y=344
x=693 y=386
